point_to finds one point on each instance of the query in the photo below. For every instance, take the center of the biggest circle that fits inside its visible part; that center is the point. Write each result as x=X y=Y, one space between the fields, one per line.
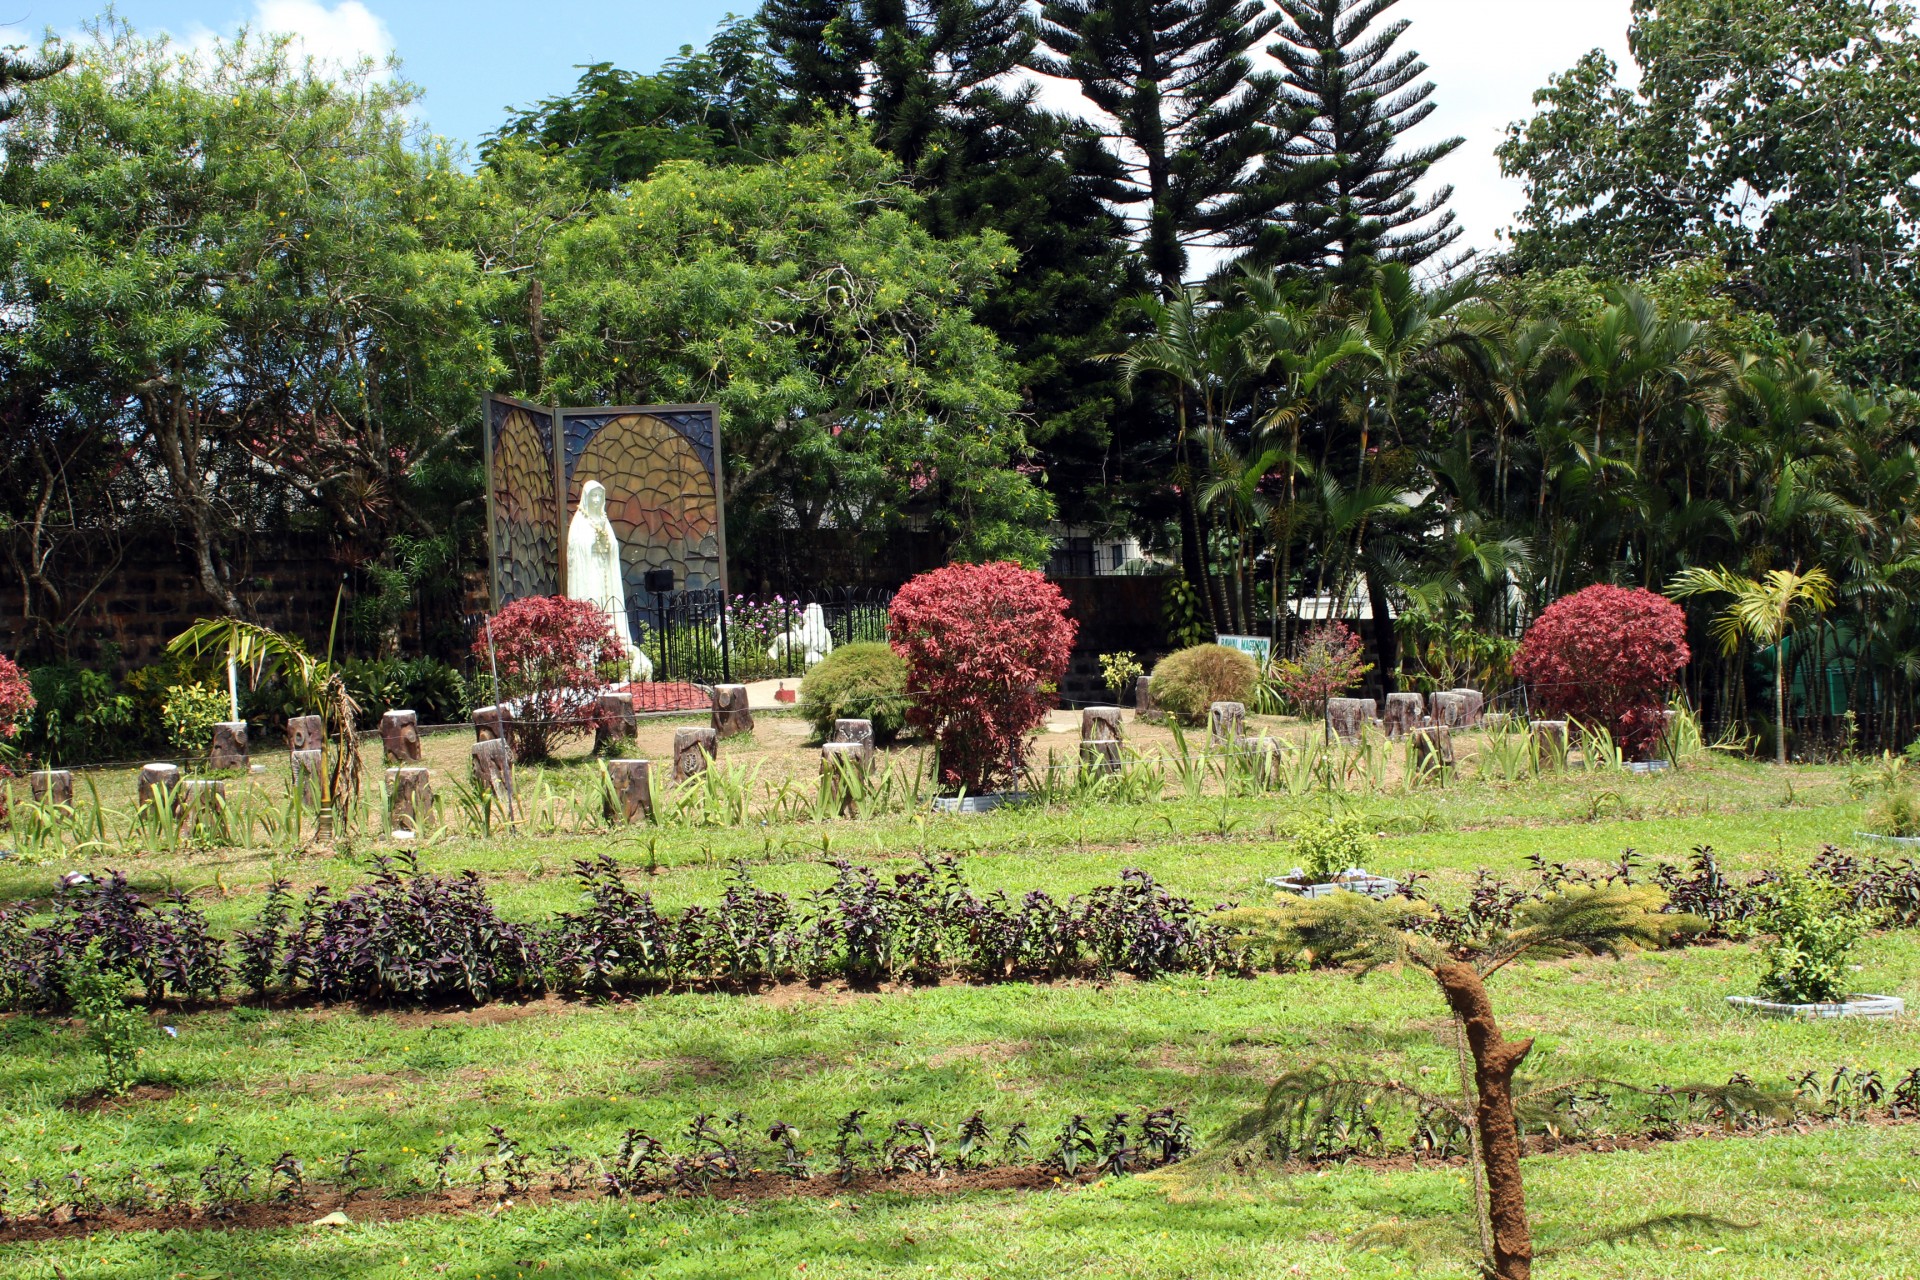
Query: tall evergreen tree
x=1188 y=113
x=1346 y=98
x=823 y=47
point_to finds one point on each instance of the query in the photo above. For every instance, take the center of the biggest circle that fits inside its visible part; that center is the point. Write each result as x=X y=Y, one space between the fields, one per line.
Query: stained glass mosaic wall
x=661 y=469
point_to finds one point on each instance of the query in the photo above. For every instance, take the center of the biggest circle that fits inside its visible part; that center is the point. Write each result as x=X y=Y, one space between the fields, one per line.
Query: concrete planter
x=985 y=802
x=1353 y=880
x=1911 y=842
x=1855 y=1006
x=1649 y=766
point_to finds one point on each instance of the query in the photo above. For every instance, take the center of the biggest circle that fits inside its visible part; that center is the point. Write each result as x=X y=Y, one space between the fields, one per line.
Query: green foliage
x=1815 y=224
x=866 y=680
x=1814 y=932
x=1327 y=846
x=1896 y=813
x=1186 y=683
x=437 y=691
x=1119 y=672
x=1184 y=613
x=190 y=712
x=831 y=329
x=116 y=1030
x=1334 y=929
x=81 y=714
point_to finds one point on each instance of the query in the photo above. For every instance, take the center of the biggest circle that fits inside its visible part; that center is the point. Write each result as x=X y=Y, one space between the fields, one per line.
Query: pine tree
x=823 y=47
x=17 y=70
x=1189 y=110
x=1345 y=100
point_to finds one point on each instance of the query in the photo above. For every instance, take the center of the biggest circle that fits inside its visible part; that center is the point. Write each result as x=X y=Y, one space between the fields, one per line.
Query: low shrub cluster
x=866 y=680
x=1188 y=682
x=103 y=925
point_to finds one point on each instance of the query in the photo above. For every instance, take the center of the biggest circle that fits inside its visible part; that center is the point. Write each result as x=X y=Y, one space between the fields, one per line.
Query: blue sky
x=476 y=58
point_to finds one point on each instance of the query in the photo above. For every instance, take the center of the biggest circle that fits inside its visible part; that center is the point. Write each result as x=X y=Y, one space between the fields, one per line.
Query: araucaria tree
x=1346 y=97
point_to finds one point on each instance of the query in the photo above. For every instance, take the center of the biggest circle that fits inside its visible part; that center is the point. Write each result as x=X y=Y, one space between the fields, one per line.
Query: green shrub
x=1334 y=929
x=862 y=681
x=190 y=712
x=1186 y=683
x=99 y=994
x=1896 y=814
x=437 y=692
x=1326 y=847
x=1814 y=933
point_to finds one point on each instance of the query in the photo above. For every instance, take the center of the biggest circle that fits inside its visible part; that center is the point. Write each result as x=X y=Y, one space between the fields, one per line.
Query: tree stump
x=409 y=796
x=1348 y=716
x=1432 y=748
x=155 y=777
x=1403 y=713
x=493 y=768
x=853 y=731
x=492 y=724
x=693 y=751
x=1100 y=738
x=1473 y=707
x=1143 y=704
x=1549 y=743
x=844 y=770
x=1448 y=709
x=307 y=785
x=617 y=723
x=730 y=714
x=51 y=786
x=400 y=737
x=229 y=747
x=632 y=789
x=1226 y=722
x=198 y=798
x=306 y=733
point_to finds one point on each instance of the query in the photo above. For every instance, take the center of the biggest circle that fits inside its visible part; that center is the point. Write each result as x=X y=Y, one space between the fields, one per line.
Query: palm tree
x=1762 y=611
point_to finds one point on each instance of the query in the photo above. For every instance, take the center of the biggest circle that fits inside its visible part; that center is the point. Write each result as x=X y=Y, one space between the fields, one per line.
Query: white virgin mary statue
x=594 y=573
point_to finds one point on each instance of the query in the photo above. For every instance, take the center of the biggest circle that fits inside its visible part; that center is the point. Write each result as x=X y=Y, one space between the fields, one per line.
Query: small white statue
x=811 y=637
x=594 y=572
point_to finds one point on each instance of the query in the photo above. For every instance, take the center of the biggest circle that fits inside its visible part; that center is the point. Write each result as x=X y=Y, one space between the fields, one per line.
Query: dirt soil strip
x=372 y=1206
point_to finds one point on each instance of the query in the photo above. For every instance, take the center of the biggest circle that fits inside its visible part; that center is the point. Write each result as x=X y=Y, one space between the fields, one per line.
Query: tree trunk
x=1386 y=639
x=1780 y=702
x=1495 y=1059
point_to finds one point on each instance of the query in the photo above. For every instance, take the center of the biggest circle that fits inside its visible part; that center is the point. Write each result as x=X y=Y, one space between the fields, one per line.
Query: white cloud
x=341 y=35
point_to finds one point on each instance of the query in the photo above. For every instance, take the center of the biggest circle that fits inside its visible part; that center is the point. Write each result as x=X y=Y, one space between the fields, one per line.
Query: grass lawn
x=1834 y=1201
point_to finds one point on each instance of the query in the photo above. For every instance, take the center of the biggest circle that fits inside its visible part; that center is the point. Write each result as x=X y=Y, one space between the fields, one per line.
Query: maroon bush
x=986 y=645
x=16 y=700
x=1606 y=657
x=553 y=656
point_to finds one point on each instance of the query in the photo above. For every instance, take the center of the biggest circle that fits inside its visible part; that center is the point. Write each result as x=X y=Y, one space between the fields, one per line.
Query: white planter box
x=1910 y=842
x=985 y=802
x=1858 y=1006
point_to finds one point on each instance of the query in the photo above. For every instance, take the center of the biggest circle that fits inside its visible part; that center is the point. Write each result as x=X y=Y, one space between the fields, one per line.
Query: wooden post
x=194 y=795
x=1349 y=716
x=493 y=768
x=306 y=733
x=1143 y=704
x=1449 y=710
x=730 y=714
x=844 y=769
x=156 y=776
x=1403 y=713
x=1100 y=738
x=51 y=786
x=1473 y=705
x=1432 y=747
x=1549 y=743
x=308 y=765
x=693 y=750
x=618 y=723
x=229 y=747
x=400 y=737
x=409 y=796
x=1226 y=722
x=491 y=724
x=633 y=789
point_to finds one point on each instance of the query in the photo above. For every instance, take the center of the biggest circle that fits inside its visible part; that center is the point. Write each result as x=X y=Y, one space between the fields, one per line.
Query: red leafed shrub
x=554 y=655
x=1326 y=663
x=16 y=700
x=986 y=645
x=1606 y=656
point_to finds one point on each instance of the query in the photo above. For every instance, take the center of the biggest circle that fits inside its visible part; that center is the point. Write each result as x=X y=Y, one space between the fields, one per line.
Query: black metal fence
x=701 y=637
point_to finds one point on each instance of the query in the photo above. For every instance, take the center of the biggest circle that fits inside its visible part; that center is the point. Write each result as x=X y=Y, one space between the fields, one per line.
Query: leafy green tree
x=241 y=273
x=719 y=105
x=1346 y=98
x=833 y=331
x=1774 y=136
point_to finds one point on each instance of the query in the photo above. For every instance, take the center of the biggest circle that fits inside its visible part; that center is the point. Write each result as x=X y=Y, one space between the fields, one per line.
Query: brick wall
x=1115 y=614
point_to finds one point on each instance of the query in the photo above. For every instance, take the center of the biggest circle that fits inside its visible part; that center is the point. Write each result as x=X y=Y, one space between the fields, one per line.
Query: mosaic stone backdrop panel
x=660 y=470
x=525 y=519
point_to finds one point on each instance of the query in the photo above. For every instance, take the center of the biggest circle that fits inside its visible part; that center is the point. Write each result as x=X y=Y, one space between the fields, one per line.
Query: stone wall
x=1115 y=614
